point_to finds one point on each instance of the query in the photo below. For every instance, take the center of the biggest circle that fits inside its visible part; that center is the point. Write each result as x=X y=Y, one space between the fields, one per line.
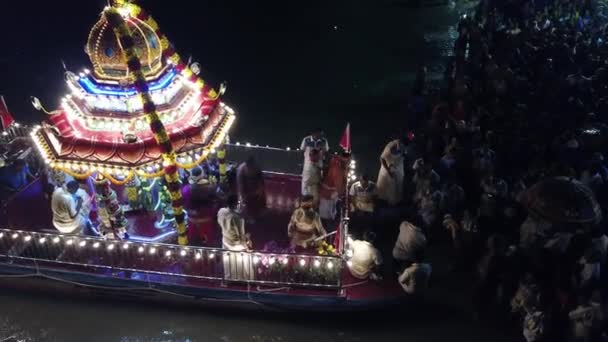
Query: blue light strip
x=92 y=88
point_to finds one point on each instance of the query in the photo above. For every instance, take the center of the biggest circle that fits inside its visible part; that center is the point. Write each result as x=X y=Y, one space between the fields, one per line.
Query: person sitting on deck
x=362 y=196
x=234 y=237
x=365 y=257
x=415 y=278
x=250 y=183
x=311 y=175
x=411 y=240
x=15 y=176
x=305 y=225
x=67 y=210
x=198 y=176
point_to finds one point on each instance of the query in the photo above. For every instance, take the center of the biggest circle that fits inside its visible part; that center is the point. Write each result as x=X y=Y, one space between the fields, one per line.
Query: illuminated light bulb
x=86 y=71
x=256 y=259
x=42 y=240
x=330 y=265
x=111 y=247
x=27 y=238
x=288 y=148
x=82 y=243
x=211 y=256
x=1 y=235
x=248 y=144
x=183 y=252
x=140 y=250
x=168 y=253
x=285 y=261
x=302 y=262
x=15 y=236
x=349 y=263
x=237 y=143
x=56 y=240
x=197 y=256
x=69 y=242
x=96 y=245
x=17 y=124
x=317 y=263
x=272 y=261
x=125 y=246
x=153 y=250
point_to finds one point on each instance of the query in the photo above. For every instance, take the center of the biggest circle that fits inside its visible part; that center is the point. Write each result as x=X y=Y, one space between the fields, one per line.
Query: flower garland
x=122 y=31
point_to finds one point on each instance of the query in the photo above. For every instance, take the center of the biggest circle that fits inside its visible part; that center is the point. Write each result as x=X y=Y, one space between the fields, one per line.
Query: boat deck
x=29 y=211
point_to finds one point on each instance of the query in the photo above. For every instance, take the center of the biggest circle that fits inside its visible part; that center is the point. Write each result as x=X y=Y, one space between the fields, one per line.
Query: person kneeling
x=366 y=258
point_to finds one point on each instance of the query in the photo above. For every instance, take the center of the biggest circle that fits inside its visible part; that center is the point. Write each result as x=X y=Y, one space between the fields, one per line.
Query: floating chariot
x=139 y=118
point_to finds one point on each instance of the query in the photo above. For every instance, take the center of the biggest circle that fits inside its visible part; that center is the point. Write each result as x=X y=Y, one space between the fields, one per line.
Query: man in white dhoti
x=390 y=178
x=365 y=257
x=305 y=225
x=315 y=141
x=311 y=176
x=237 y=263
x=67 y=210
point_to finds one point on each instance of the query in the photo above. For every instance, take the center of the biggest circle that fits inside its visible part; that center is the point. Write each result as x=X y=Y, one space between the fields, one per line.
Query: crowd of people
x=523 y=102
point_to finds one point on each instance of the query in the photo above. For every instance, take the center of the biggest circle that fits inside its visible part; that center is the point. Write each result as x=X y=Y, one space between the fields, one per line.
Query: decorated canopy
x=105 y=124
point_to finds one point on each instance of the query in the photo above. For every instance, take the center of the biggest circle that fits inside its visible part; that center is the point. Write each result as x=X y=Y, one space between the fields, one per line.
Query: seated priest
x=250 y=183
x=365 y=258
x=305 y=225
x=67 y=210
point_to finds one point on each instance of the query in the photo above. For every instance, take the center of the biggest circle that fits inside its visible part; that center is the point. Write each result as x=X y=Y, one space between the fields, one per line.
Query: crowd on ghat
x=524 y=102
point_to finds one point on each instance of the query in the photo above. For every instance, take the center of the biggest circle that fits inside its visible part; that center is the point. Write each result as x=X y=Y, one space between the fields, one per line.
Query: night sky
x=290 y=66
x=251 y=44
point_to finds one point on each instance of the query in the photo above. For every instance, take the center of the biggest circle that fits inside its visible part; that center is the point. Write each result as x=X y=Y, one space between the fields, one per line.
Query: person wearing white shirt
x=411 y=240
x=391 y=174
x=237 y=266
x=585 y=320
x=365 y=257
x=67 y=210
x=362 y=195
x=415 y=278
x=315 y=141
x=234 y=237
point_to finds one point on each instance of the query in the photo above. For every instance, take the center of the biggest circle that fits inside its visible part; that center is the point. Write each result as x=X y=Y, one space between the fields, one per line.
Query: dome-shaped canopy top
x=105 y=50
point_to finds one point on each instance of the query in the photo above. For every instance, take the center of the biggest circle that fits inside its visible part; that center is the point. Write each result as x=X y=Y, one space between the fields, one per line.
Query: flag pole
x=346 y=146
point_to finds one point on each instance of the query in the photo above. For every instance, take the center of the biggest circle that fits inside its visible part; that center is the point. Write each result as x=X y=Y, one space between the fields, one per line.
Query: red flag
x=345 y=141
x=6 y=119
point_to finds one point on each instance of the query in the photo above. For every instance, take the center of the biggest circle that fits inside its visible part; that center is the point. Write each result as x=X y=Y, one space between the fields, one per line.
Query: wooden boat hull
x=90 y=286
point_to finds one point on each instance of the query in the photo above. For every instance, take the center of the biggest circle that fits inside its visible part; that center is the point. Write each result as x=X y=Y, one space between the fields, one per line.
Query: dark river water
x=291 y=66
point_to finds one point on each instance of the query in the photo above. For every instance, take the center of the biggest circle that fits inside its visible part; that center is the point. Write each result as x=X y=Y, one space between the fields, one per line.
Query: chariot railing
x=166 y=263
